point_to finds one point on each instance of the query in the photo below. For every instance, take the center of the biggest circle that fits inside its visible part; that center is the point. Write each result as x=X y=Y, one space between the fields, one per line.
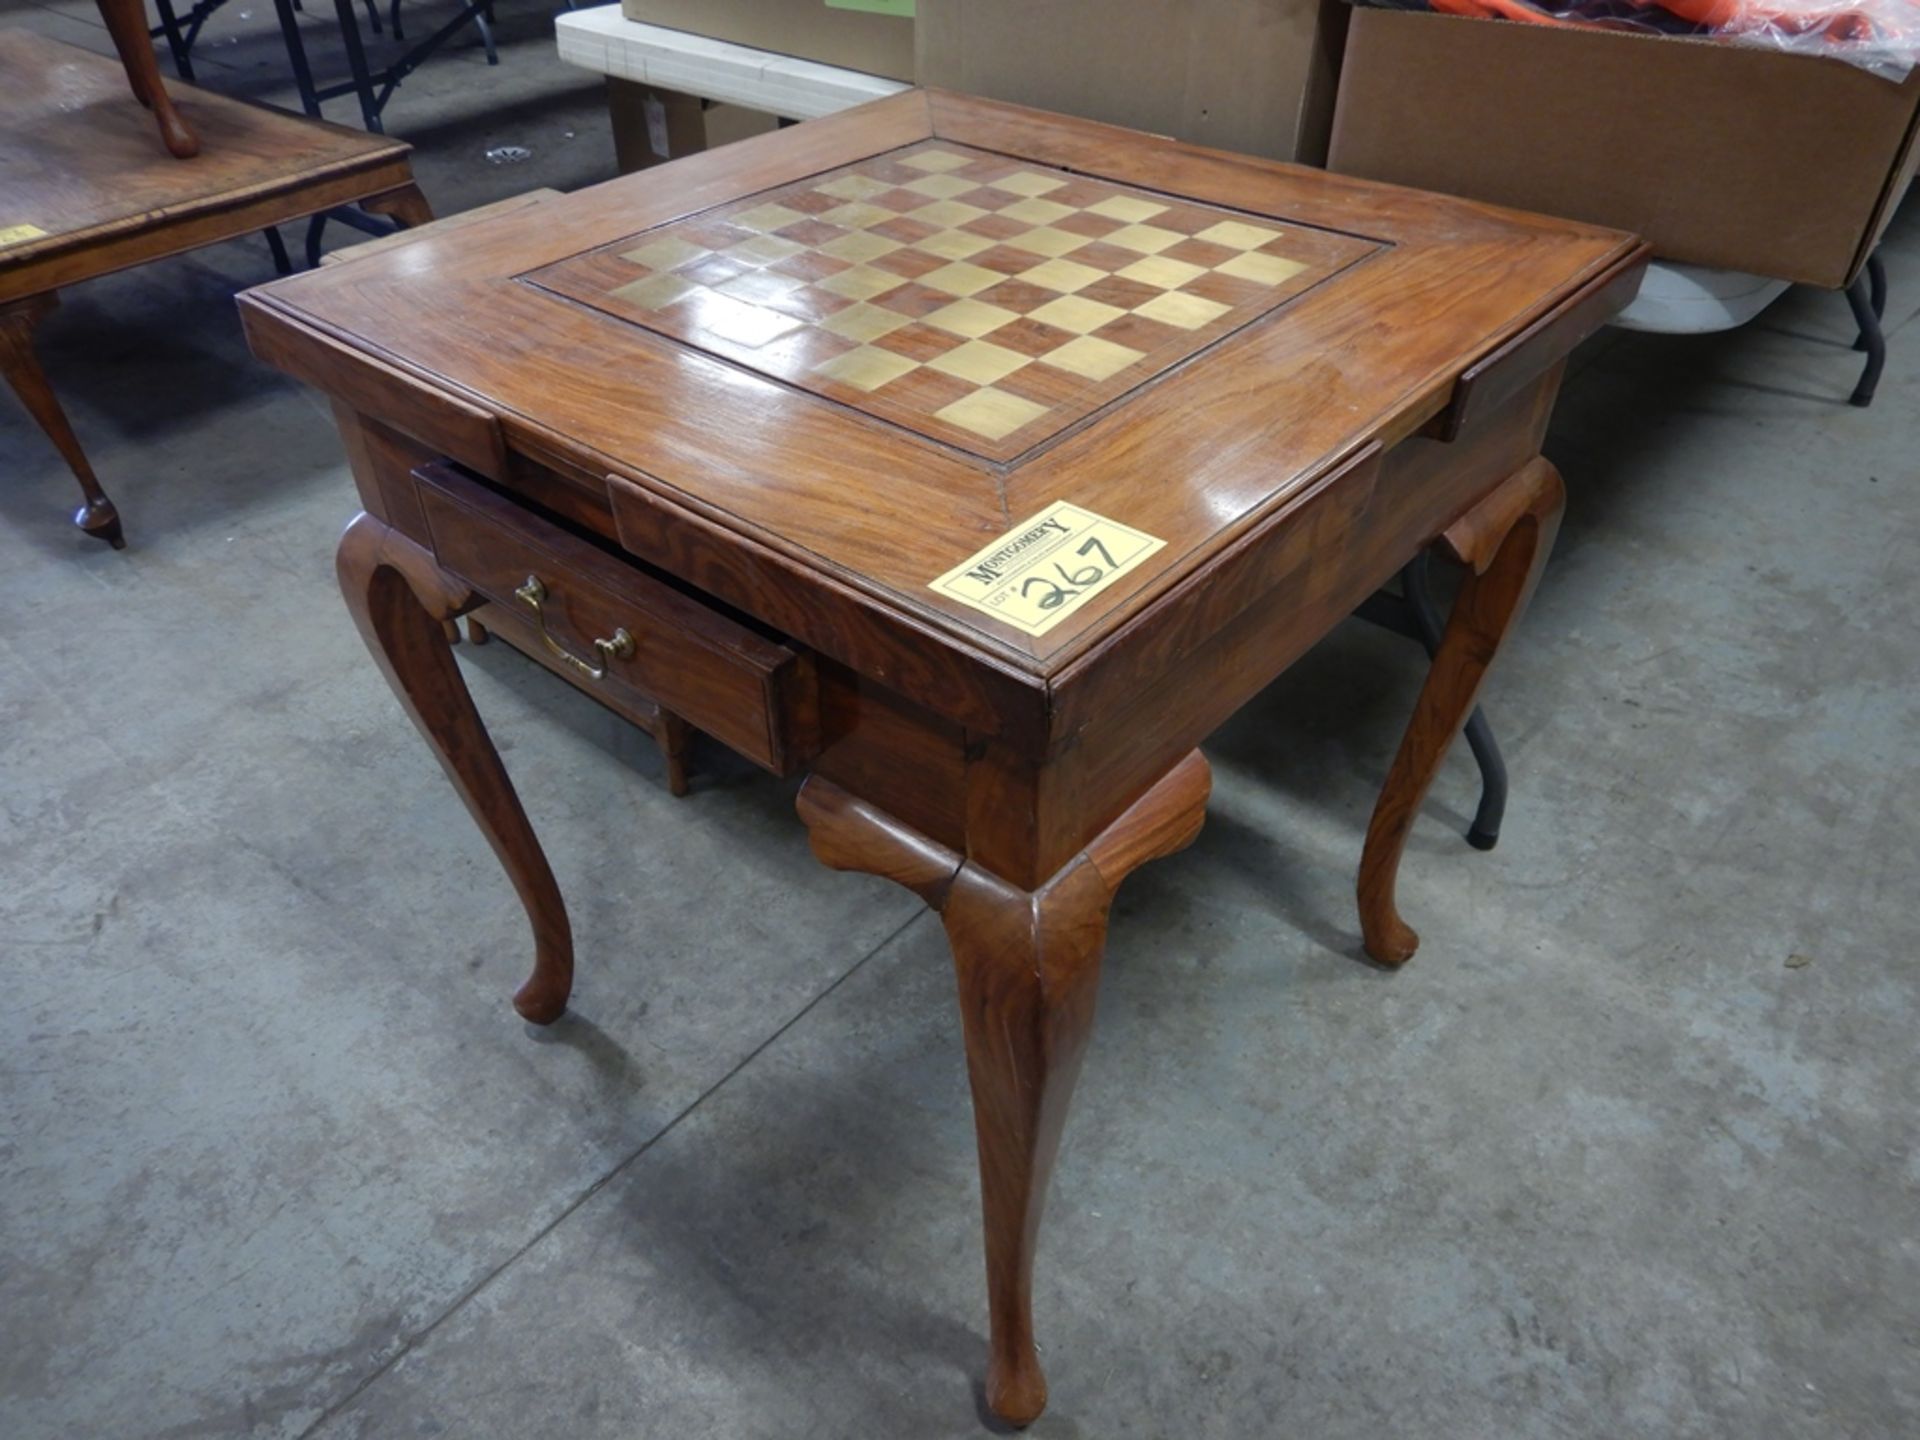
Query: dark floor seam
x=460 y=1301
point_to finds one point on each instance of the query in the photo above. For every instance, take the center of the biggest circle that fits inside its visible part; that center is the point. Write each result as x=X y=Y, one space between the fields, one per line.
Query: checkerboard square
x=1238 y=235
x=980 y=361
x=936 y=160
x=946 y=213
x=741 y=323
x=654 y=291
x=1065 y=276
x=859 y=246
x=990 y=412
x=762 y=250
x=862 y=282
x=855 y=215
x=1127 y=208
x=1075 y=313
x=863 y=322
x=664 y=254
x=940 y=187
x=972 y=318
x=960 y=278
x=1026 y=182
x=757 y=287
x=1045 y=240
x=854 y=187
x=1148 y=239
x=1187 y=312
x=1161 y=272
x=1265 y=269
x=1035 y=212
x=1092 y=358
x=953 y=244
x=766 y=217
x=867 y=368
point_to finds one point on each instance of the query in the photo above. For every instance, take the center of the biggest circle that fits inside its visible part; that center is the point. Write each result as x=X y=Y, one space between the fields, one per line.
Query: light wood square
x=1092 y=358
x=735 y=320
x=1238 y=235
x=1126 y=207
x=940 y=187
x=1026 y=182
x=864 y=322
x=762 y=250
x=862 y=282
x=1045 y=240
x=655 y=291
x=859 y=247
x=1148 y=239
x=665 y=254
x=1161 y=272
x=758 y=285
x=1035 y=212
x=992 y=413
x=766 y=217
x=936 y=160
x=854 y=187
x=954 y=244
x=1066 y=276
x=980 y=361
x=1079 y=314
x=972 y=318
x=960 y=278
x=1183 y=311
x=867 y=368
x=1262 y=269
x=855 y=215
x=946 y=213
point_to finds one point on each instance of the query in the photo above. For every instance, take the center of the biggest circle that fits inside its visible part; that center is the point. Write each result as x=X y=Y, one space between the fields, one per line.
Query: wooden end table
x=979 y=463
x=87 y=193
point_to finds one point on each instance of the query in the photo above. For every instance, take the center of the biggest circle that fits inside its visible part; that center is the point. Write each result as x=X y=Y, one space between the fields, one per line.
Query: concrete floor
x=1629 y=1151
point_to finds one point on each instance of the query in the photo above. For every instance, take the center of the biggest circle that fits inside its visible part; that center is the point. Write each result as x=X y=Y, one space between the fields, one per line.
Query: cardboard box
x=867 y=35
x=652 y=126
x=1780 y=165
x=1255 y=76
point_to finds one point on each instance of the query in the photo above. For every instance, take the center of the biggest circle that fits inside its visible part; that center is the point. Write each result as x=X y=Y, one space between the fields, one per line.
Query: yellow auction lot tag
x=15 y=234
x=1047 y=567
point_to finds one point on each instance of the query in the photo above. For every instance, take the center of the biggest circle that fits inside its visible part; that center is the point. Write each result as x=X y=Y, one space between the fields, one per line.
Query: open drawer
x=624 y=633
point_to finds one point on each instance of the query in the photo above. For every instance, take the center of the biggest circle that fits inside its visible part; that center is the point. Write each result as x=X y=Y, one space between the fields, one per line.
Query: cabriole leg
x=1028 y=964
x=1505 y=542
x=22 y=368
x=400 y=599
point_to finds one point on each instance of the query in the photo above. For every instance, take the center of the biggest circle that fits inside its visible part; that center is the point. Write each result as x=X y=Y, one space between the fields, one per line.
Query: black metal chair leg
x=314 y=226
x=484 y=22
x=1871 y=339
x=1417 y=583
x=297 y=55
x=176 y=40
x=357 y=66
x=282 y=262
x=1876 y=294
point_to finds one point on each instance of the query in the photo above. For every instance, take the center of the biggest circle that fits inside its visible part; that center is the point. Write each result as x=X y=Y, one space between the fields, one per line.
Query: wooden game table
x=976 y=462
x=85 y=191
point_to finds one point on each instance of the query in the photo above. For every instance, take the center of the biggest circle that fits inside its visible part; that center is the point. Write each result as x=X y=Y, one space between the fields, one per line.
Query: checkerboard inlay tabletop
x=984 y=302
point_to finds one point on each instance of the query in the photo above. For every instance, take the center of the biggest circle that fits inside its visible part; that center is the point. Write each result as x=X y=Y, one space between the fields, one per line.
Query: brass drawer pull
x=620 y=647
